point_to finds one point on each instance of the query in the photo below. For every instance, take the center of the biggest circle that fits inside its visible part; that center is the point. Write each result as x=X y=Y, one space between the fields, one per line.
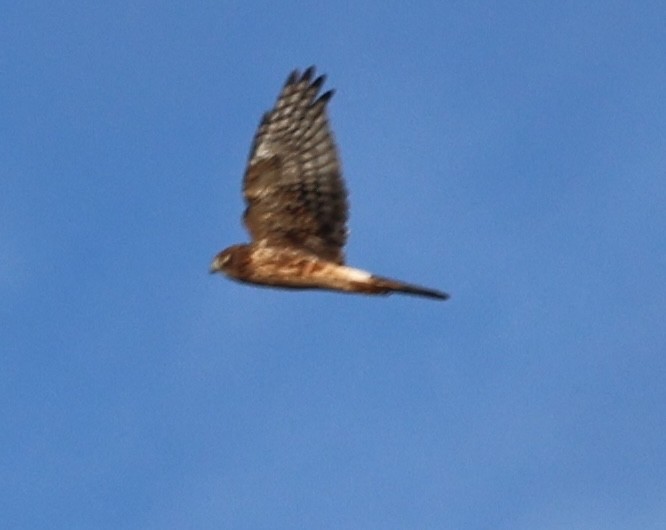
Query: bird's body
x=297 y=204
x=291 y=268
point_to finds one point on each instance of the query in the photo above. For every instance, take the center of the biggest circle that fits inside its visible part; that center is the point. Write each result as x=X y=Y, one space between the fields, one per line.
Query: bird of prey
x=297 y=203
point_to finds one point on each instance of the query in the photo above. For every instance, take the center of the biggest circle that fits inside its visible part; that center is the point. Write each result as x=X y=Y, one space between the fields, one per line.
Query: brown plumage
x=297 y=203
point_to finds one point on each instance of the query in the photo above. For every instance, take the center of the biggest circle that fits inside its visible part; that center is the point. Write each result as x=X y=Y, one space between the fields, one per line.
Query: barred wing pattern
x=293 y=183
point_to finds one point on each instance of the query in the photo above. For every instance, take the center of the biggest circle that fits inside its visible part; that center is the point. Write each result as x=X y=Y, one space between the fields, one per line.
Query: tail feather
x=388 y=286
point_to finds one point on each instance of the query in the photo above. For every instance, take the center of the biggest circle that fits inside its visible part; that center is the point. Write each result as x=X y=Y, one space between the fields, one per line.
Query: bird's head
x=221 y=261
x=227 y=261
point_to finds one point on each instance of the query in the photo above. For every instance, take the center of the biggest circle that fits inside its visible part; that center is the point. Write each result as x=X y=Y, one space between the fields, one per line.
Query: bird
x=297 y=203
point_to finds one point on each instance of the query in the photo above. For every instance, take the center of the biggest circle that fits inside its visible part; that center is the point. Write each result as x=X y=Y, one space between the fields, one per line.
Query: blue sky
x=513 y=156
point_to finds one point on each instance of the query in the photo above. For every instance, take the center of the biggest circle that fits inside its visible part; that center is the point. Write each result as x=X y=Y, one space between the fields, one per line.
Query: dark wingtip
x=318 y=82
x=326 y=96
x=293 y=77
x=309 y=72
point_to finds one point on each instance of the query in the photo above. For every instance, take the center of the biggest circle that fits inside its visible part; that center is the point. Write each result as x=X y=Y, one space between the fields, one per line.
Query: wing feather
x=293 y=183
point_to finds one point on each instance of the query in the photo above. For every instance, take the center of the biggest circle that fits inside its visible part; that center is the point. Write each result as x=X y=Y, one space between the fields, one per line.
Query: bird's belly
x=296 y=270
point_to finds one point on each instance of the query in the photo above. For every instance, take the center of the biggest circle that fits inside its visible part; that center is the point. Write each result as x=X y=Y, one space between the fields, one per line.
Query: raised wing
x=293 y=183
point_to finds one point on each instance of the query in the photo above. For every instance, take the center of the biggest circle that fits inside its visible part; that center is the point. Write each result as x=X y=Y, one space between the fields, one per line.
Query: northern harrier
x=297 y=203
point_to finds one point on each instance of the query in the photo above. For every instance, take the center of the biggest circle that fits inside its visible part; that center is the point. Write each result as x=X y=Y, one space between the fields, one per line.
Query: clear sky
x=513 y=156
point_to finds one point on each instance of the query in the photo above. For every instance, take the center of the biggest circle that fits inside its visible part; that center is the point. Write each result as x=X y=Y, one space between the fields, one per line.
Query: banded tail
x=380 y=285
